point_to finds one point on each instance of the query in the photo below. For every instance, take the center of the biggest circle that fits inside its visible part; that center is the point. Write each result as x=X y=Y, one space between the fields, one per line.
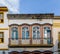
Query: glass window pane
x=14 y=28
x=49 y=33
x=46 y=32
x=36 y=33
x=37 y=27
x=49 y=41
x=34 y=36
x=33 y=27
x=14 y=32
x=16 y=35
x=47 y=28
x=27 y=34
x=26 y=28
x=23 y=34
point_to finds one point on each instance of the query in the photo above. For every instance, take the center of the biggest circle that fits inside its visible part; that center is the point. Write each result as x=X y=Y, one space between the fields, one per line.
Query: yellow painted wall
x=56 y=23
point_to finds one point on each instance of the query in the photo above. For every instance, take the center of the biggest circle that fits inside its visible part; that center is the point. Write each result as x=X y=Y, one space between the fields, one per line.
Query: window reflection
x=25 y=32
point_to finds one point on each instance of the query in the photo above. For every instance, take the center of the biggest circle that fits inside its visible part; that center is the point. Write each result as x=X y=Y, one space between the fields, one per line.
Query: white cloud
x=13 y=5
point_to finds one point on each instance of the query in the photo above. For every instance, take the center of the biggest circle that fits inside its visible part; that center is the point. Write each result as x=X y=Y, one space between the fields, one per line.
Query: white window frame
x=44 y=34
x=36 y=33
x=25 y=31
x=11 y=30
x=43 y=31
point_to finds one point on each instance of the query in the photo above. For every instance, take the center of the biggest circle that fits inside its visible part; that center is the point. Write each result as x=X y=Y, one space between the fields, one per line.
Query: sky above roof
x=32 y=6
x=12 y=5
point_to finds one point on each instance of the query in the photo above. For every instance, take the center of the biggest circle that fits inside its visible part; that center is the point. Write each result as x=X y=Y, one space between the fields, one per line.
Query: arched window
x=35 y=32
x=15 y=33
x=47 y=35
x=25 y=32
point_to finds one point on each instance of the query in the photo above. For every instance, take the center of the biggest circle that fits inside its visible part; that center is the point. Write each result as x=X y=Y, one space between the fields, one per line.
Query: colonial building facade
x=29 y=33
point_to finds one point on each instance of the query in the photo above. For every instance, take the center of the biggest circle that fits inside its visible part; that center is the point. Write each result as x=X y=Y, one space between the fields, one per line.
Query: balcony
x=30 y=42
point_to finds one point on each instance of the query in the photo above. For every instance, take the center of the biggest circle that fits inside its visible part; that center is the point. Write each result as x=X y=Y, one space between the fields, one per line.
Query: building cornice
x=56 y=17
x=3 y=9
x=30 y=16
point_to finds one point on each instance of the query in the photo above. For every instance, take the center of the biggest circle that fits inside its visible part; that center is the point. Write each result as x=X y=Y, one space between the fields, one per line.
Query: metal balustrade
x=30 y=42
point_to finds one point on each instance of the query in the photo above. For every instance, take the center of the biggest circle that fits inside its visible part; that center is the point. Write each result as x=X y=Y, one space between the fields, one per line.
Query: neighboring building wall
x=4 y=29
x=56 y=30
x=5 y=23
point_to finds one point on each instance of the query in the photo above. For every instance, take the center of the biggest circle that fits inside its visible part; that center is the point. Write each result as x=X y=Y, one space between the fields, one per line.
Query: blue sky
x=12 y=5
x=40 y=6
x=32 y=6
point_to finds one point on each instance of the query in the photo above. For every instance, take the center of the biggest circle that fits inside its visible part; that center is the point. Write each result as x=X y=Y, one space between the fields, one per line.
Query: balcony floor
x=33 y=45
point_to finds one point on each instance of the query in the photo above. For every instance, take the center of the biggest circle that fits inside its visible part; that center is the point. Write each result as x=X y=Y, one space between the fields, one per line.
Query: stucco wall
x=4 y=29
x=6 y=36
x=29 y=21
x=56 y=30
x=5 y=24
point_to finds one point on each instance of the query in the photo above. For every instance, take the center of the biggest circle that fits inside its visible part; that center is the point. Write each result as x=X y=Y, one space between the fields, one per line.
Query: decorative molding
x=31 y=16
x=33 y=45
x=3 y=9
x=3 y=48
x=47 y=24
x=25 y=24
x=14 y=25
x=31 y=24
x=36 y=24
x=4 y=28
